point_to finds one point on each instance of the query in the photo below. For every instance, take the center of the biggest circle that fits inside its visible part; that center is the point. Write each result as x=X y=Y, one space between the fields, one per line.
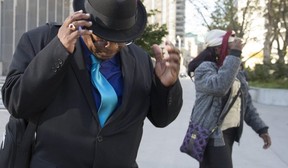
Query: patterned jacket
x=212 y=85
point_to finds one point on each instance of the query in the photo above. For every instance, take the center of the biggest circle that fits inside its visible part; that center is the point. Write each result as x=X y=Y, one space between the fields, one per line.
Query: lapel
x=79 y=68
x=128 y=69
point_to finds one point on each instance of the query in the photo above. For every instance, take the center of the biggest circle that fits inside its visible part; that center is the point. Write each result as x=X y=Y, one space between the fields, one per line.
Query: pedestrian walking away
x=92 y=87
x=219 y=80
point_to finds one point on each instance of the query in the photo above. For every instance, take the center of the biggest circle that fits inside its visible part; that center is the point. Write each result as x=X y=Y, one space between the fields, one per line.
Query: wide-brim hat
x=115 y=20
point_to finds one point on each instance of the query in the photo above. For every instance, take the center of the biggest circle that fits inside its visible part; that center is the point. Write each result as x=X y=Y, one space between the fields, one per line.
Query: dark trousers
x=220 y=157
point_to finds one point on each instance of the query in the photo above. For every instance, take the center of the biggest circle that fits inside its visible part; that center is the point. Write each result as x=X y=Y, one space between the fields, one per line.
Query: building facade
x=19 y=16
x=172 y=13
x=180 y=22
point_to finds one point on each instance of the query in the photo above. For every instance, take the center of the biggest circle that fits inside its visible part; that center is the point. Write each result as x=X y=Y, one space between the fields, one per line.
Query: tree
x=277 y=24
x=225 y=17
x=153 y=34
x=228 y=16
x=276 y=36
x=268 y=39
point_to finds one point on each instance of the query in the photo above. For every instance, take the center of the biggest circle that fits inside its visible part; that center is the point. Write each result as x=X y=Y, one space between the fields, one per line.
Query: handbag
x=195 y=140
x=197 y=136
x=17 y=143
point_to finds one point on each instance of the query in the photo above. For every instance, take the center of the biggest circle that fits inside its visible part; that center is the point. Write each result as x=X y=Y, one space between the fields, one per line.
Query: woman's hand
x=267 y=140
x=236 y=44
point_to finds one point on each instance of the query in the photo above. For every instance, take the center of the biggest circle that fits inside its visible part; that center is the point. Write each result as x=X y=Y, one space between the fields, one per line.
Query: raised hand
x=236 y=44
x=167 y=64
x=69 y=32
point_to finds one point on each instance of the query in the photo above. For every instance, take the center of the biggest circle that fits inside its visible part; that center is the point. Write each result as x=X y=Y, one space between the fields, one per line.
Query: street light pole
x=179 y=42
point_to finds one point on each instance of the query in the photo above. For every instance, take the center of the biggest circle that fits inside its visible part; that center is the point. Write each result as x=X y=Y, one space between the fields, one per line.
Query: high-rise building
x=180 y=22
x=172 y=13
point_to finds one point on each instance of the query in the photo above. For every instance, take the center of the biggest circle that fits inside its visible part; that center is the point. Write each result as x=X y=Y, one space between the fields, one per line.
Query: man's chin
x=103 y=56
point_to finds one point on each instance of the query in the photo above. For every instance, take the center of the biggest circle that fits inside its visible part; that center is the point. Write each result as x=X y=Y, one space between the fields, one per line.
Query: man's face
x=101 y=48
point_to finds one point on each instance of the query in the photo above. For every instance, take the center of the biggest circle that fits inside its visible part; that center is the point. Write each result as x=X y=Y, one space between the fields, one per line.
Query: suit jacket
x=45 y=80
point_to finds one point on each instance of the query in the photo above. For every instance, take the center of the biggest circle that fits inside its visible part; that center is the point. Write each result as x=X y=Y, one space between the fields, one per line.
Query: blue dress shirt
x=110 y=69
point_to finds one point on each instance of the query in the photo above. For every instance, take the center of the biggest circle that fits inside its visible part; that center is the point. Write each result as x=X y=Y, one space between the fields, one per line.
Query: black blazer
x=46 y=80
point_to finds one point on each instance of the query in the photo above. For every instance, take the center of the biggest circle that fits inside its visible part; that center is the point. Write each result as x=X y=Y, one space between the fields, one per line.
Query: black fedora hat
x=115 y=20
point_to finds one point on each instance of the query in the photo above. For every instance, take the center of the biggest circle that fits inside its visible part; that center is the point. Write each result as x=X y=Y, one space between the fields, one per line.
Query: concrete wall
x=277 y=97
x=19 y=16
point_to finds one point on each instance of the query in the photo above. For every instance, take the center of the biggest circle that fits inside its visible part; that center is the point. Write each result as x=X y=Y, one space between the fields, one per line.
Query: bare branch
x=200 y=12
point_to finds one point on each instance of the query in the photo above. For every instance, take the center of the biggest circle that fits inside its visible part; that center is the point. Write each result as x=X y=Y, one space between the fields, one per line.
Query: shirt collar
x=115 y=60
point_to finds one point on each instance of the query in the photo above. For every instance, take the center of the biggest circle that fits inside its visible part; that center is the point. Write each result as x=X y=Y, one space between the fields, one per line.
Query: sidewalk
x=160 y=146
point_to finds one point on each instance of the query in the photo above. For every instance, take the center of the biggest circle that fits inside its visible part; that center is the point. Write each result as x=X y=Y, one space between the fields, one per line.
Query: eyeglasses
x=99 y=42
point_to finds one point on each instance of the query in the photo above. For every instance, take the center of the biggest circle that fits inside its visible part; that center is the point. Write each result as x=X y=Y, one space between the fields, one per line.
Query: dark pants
x=220 y=157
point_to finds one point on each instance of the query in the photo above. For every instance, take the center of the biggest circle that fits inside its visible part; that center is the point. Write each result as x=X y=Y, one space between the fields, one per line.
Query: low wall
x=278 y=97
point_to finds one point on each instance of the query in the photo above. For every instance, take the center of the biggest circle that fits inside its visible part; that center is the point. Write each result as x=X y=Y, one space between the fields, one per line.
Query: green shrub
x=277 y=84
x=260 y=72
x=269 y=76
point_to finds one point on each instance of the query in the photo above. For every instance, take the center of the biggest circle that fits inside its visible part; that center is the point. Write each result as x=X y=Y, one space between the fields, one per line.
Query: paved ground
x=160 y=146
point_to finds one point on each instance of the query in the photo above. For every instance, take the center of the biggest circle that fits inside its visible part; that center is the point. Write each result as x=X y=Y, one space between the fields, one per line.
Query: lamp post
x=179 y=42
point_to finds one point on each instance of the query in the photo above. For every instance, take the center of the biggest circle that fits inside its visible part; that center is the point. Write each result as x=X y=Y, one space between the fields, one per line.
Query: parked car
x=183 y=74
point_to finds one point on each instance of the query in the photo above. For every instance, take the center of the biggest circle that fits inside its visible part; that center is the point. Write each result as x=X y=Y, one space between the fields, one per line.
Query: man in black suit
x=55 y=78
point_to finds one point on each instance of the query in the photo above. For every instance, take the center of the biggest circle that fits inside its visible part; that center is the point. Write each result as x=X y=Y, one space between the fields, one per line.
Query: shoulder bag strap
x=24 y=149
x=223 y=115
